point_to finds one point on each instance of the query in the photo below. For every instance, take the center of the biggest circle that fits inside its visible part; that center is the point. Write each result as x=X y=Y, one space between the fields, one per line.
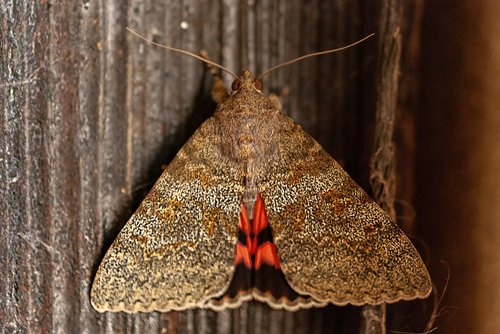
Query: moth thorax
x=247 y=153
x=246 y=144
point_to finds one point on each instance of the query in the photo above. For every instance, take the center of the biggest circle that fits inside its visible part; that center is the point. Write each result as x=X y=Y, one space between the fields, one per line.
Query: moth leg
x=276 y=99
x=219 y=91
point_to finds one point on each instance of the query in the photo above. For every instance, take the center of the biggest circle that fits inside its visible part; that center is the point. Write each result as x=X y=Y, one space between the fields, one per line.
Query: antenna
x=183 y=52
x=265 y=72
x=313 y=55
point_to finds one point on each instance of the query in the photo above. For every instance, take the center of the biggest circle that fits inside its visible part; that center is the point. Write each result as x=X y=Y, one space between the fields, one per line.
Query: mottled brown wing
x=333 y=241
x=177 y=250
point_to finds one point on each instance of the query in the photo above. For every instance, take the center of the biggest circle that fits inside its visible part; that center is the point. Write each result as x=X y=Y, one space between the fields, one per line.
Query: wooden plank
x=91 y=114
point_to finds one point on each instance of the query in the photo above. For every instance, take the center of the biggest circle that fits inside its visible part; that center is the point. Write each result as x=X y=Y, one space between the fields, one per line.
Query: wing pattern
x=334 y=242
x=177 y=250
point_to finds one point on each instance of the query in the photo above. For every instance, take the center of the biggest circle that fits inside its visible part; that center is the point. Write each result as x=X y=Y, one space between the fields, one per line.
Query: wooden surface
x=91 y=113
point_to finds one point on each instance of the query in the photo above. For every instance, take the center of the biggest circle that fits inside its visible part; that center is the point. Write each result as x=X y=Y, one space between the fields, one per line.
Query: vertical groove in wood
x=64 y=182
x=87 y=141
x=24 y=268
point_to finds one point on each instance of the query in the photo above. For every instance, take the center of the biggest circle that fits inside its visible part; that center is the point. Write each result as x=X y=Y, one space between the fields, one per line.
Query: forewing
x=334 y=242
x=177 y=250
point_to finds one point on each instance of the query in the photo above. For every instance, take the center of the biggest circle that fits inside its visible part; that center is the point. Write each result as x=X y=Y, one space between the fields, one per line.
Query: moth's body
x=248 y=121
x=253 y=208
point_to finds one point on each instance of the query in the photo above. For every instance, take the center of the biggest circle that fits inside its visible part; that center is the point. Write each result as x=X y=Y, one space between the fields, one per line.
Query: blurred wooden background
x=90 y=114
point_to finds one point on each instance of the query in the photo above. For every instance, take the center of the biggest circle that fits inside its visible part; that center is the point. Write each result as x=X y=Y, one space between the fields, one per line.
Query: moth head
x=247 y=81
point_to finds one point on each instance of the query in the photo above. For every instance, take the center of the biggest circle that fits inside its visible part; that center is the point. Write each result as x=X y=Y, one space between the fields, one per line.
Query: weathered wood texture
x=90 y=114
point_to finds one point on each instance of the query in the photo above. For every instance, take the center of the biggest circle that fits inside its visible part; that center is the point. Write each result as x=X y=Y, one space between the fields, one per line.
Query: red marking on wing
x=243 y=255
x=260 y=221
x=257 y=264
x=266 y=253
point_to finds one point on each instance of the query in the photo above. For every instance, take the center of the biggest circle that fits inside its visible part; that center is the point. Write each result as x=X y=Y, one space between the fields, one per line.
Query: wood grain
x=90 y=114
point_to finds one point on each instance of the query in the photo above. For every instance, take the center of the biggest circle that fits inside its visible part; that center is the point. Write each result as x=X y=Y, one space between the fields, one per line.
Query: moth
x=253 y=208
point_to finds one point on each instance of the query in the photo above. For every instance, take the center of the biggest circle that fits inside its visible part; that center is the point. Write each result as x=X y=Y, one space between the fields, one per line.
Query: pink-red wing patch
x=257 y=267
x=258 y=247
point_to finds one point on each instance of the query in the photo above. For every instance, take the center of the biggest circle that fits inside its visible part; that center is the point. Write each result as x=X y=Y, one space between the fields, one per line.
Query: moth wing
x=177 y=249
x=334 y=242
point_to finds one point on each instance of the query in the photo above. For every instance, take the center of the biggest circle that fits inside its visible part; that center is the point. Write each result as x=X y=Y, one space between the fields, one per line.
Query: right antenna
x=313 y=55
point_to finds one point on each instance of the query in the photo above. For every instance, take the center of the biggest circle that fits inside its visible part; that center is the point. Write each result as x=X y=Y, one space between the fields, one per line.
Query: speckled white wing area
x=333 y=241
x=177 y=250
